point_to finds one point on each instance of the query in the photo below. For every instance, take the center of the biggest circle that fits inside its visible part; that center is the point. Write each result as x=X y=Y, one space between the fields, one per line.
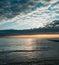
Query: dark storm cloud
x=11 y=8
x=54 y=24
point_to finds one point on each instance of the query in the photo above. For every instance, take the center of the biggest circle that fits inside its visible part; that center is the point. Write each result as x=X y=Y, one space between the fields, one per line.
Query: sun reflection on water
x=28 y=44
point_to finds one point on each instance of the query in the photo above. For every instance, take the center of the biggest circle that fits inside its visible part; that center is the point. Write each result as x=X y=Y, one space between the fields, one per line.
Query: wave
x=53 y=40
x=9 y=51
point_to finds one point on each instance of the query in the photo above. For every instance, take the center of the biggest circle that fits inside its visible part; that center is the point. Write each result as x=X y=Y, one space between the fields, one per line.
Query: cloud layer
x=12 y=8
x=29 y=13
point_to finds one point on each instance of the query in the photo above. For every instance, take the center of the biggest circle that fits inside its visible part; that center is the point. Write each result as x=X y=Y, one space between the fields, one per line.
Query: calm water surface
x=29 y=51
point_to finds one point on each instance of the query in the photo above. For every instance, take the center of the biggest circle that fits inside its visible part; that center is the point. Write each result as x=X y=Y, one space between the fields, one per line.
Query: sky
x=28 y=14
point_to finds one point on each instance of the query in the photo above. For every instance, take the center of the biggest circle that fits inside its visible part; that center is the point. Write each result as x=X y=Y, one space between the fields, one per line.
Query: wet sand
x=34 y=36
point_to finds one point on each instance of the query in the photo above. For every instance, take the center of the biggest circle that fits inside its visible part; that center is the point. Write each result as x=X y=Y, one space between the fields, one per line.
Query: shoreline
x=33 y=36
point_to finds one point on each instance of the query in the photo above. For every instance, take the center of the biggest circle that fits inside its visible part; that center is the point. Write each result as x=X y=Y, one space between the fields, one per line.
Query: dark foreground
x=45 y=62
x=23 y=51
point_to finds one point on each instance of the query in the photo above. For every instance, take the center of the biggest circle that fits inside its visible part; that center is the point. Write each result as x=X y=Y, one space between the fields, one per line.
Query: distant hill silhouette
x=29 y=32
x=51 y=28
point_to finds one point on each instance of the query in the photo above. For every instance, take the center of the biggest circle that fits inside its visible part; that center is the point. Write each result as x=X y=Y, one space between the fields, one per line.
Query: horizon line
x=33 y=36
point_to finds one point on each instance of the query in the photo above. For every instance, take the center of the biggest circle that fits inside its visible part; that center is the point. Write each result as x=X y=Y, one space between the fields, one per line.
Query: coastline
x=33 y=36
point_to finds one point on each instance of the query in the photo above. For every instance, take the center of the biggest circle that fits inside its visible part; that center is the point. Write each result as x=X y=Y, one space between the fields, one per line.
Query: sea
x=29 y=51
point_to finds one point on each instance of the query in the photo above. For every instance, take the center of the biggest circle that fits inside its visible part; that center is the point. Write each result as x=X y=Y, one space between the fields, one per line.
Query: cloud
x=11 y=8
x=40 y=17
x=54 y=24
x=29 y=13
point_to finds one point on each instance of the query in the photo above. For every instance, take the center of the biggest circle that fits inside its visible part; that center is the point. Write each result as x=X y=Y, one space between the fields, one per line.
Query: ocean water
x=29 y=51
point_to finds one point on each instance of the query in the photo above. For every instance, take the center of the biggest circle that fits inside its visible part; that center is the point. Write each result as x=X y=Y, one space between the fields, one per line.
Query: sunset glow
x=35 y=36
